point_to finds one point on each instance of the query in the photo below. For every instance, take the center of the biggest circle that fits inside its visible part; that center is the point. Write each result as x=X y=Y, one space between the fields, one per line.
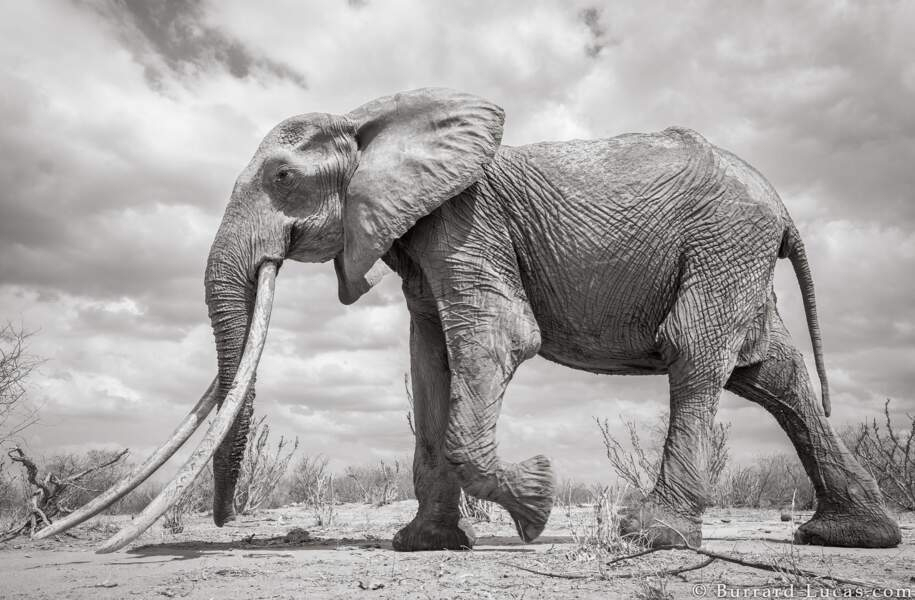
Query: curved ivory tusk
x=184 y=430
x=220 y=426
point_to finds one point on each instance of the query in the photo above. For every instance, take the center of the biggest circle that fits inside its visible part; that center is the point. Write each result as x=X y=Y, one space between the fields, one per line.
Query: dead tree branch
x=662 y=573
x=749 y=563
x=49 y=493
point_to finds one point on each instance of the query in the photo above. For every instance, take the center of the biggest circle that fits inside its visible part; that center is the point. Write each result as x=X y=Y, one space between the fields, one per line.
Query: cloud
x=125 y=124
x=173 y=36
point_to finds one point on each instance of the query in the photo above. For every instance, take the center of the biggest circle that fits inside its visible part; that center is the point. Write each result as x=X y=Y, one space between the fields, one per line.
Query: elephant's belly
x=633 y=366
x=603 y=354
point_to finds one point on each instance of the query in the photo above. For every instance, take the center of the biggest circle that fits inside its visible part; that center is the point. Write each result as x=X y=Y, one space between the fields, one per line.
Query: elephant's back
x=661 y=168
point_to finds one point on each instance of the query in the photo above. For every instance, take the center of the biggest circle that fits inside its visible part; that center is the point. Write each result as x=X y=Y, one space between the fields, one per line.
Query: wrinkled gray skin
x=639 y=254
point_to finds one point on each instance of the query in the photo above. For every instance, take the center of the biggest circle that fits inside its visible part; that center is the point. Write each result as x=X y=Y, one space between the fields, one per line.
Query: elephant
x=640 y=254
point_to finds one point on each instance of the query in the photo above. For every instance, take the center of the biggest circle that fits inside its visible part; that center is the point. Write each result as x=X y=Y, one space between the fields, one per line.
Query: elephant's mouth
x=219 y=429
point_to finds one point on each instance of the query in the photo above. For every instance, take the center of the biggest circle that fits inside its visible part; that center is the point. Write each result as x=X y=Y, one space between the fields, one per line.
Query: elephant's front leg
x=490 y=330
x=437 y=525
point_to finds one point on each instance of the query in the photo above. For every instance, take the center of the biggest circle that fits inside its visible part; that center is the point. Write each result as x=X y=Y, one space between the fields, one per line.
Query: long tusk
x=184 y=430
x=220 y=426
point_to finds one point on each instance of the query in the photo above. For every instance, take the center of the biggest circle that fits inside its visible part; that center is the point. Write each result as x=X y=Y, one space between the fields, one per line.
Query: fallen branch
x=46 y=501
x=749 y=563
x=665 y=572
x=710 y=557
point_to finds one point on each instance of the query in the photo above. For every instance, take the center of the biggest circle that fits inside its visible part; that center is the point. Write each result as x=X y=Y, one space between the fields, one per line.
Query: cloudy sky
x=124 y=124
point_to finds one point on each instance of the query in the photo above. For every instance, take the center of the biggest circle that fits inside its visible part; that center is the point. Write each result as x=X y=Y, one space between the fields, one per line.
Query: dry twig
x=889 y=458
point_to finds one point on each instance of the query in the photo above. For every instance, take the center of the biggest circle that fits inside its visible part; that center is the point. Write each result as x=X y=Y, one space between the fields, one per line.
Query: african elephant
x=640 y=254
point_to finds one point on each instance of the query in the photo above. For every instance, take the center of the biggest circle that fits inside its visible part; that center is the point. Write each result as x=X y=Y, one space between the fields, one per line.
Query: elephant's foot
x=858 y=529
x=223 y=515
x=659 y=526
x=529 y=496
x=421 y=535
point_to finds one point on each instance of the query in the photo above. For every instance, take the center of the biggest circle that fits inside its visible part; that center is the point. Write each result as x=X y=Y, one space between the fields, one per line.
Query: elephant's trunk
x=229 y=304
x=237 y=252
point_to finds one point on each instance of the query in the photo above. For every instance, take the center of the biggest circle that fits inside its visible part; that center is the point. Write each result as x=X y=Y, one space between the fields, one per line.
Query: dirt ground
x=255 y=558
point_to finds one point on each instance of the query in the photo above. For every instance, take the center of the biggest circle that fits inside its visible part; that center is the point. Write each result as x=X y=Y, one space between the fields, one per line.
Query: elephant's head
x=326 y=186
x=320 y=187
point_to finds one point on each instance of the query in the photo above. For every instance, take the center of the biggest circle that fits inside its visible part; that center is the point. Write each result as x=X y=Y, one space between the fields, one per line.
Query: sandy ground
x=254 y=558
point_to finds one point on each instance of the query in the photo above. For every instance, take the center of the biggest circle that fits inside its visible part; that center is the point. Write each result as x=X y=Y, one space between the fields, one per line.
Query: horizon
x=126 y=126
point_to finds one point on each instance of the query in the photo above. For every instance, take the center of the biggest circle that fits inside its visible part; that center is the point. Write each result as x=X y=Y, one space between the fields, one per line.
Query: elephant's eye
x=284 y=176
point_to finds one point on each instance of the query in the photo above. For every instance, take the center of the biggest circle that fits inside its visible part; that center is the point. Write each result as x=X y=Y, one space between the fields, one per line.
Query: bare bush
x=889 y=455
x=313 y=484
x=574 y=493
x=654 y=588
x=14 y=493
x=377 y=484
x=638 y=464
x=774 y=481
x=261 y=468
x=596 y=535
x=16 y=413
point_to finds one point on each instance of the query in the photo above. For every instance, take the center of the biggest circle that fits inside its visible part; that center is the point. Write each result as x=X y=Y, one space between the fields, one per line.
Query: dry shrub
x=889 y=454
x=596 y=534
x=16 y=365
x=654 y=588
x=774 y=481
x=14 y=493
x=638 y=463
x=574 y=493
x=377 y=484
x=313 y=485
x=262 y=469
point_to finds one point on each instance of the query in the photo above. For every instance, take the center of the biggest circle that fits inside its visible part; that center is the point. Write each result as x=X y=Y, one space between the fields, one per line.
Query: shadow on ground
x=273 y=545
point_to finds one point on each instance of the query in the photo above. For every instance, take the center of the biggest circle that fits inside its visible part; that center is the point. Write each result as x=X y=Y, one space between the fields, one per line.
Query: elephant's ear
x=417 y=150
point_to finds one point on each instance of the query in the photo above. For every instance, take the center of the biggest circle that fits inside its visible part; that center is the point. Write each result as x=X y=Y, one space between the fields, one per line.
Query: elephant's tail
x=793 y=248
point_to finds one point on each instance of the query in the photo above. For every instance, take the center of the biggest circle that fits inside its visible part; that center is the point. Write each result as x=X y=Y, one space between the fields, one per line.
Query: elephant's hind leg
x=850 y=509
x=699 y=360
x=700 y=340
x=437 y=525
